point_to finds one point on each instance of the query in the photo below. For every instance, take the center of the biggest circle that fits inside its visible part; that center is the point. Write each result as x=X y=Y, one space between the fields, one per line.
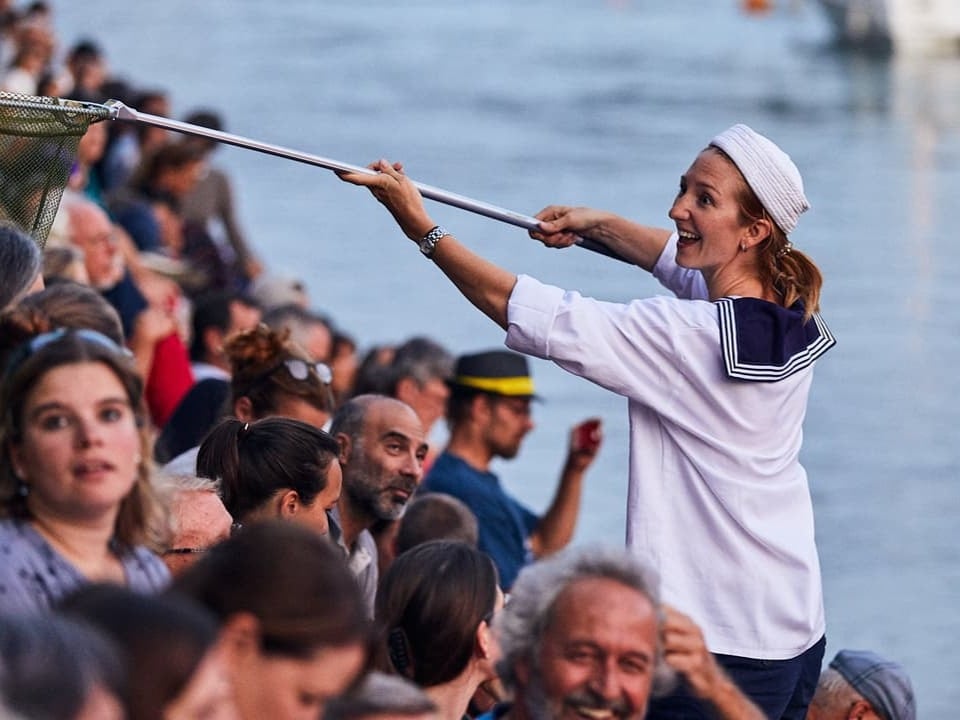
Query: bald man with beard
x=382 y=448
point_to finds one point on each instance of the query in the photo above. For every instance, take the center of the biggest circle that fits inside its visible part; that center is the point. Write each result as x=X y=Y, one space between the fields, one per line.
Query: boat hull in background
x=897 y=25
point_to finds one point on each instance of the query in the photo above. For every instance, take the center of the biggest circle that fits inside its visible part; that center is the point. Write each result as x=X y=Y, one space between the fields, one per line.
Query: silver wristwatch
x=428 y=243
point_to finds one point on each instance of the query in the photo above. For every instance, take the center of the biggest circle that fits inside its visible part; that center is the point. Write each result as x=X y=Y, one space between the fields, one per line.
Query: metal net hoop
x=38 y=147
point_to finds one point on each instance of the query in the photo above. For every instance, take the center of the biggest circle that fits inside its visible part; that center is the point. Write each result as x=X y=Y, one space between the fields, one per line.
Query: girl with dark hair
x=76 y=500
x=176 y=669
x=56 y=668
x=435 y=605
x=273 y=468
x=292 y=618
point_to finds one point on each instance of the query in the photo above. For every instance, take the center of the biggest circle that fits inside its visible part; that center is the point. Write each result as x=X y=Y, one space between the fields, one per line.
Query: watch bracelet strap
x=428 y=243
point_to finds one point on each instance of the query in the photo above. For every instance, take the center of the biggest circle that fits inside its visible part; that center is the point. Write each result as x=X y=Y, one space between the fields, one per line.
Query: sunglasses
x=36 y=344
x=300 y=370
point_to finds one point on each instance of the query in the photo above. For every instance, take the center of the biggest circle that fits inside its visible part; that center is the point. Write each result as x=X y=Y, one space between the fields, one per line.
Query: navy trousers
x=781 y=688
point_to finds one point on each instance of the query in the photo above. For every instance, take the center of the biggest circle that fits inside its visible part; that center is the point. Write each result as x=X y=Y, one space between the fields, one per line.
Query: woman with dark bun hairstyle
x=273 y=468
x=269 y=376
x=434 y=607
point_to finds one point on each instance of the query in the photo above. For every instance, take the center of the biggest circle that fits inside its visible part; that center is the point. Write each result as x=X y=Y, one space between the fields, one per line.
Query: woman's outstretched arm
x=484 y=284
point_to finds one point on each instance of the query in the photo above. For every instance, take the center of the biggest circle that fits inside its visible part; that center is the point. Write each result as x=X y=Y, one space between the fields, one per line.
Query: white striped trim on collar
x=801 y=358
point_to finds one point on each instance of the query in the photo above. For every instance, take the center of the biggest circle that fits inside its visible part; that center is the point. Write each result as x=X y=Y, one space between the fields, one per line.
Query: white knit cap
x=769 y=172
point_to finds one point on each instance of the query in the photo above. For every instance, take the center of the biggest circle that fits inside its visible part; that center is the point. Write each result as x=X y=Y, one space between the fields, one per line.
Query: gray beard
x=538 y=705
x=369 y=502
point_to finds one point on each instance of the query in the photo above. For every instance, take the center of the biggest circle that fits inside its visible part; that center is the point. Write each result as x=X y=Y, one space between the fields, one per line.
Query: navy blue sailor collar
x=764 y=342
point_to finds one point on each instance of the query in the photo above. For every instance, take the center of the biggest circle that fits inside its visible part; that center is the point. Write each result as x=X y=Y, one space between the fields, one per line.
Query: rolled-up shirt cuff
x=531 y=310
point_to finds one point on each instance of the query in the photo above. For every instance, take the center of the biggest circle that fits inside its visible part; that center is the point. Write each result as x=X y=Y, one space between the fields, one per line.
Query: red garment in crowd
x=170 y=378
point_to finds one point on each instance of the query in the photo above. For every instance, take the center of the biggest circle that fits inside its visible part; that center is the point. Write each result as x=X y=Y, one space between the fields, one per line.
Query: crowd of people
x=214 y=505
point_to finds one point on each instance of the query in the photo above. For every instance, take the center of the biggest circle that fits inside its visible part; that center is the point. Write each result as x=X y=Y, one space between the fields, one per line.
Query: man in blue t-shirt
x=489 y=414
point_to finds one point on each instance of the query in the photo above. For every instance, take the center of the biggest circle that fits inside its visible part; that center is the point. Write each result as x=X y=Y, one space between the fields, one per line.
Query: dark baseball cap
x=883 y=683
x=500 y=372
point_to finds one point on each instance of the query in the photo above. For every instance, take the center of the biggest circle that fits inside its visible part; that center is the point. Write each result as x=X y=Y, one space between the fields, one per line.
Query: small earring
x=743 y=247
x=22 y=488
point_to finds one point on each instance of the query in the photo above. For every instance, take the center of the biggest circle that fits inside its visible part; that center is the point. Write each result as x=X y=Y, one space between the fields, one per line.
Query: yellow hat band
x=521 y=385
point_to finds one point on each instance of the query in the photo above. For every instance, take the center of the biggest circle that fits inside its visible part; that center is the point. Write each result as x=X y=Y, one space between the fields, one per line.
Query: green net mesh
x=38 y=144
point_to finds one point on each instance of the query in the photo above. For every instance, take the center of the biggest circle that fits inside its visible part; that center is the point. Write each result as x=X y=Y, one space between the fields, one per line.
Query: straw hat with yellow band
x=499 y=372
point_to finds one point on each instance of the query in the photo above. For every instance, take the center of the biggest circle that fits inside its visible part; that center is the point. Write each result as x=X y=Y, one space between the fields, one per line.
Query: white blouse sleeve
x=685 y=284
x=639 y=350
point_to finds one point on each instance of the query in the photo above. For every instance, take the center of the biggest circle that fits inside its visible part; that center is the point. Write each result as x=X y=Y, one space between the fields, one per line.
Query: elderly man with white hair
x=584 y=635
x=198 y=519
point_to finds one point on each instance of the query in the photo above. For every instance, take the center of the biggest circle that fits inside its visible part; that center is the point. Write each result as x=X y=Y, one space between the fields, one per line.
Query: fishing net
x=38 y=144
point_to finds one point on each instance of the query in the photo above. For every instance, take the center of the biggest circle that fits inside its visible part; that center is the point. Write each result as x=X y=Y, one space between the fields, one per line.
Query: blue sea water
x=605 y=103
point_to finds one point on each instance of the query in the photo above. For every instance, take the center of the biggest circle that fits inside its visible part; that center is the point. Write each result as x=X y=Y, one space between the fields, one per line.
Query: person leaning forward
x=717 y=380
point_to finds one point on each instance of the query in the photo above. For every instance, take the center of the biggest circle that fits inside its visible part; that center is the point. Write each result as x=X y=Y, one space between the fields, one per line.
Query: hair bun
x=253 y=352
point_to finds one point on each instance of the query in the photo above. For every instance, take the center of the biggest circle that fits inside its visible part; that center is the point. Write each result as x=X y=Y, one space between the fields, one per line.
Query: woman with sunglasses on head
x=434 y=608
x=270 y=376
x=76 y=500
x=273 y=468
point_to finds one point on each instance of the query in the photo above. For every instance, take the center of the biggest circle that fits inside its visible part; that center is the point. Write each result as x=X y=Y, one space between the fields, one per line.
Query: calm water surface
x=605 y=103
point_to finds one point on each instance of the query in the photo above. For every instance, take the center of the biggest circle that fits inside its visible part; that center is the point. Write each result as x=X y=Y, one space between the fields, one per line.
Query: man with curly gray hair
x=584 y=635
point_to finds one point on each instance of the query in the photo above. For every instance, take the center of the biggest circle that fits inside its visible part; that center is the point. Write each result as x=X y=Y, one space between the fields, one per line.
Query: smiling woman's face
x=707 y=213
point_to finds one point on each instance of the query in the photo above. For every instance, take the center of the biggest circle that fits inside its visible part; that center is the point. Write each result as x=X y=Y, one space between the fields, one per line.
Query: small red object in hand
x=588 y=436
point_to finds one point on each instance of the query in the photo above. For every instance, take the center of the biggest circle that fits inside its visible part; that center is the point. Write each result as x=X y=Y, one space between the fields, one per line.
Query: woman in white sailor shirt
x=717 y=380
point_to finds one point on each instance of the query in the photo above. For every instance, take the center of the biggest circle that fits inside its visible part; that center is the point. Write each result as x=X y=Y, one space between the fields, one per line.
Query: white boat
x=899 y=25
